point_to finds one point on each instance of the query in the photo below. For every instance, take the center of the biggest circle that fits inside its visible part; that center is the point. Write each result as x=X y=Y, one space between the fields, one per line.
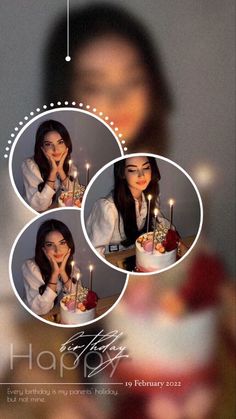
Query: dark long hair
x=124 y=200
x=40 y=257
x=39 y=157
x=98 y=20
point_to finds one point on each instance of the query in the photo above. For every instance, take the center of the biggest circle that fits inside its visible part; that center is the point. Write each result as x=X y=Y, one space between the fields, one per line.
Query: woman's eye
x=147 y=168
x=132 y=170
x=46 y=144
x=48 y=245
x=63 y=243
x=61 y=142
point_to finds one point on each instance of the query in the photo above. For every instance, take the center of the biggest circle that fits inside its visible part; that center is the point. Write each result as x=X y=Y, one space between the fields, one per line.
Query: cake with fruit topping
x=156 y=253
x=78 y=310
x=66 y=199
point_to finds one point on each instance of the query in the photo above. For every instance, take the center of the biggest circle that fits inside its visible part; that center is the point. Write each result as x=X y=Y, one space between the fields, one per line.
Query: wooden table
x=102 y=307
x=118 y=258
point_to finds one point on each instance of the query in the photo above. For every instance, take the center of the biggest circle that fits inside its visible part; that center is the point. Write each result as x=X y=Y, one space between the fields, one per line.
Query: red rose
x=91 y=300
x=171 y=241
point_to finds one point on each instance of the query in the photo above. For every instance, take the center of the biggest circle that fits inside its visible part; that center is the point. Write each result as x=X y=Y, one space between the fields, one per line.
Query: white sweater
x=39 y=304
x=40 y=201
x=103 y=225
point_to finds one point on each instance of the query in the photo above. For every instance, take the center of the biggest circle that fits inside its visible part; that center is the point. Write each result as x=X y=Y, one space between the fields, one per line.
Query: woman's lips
x=58 y=256
x=141 y=182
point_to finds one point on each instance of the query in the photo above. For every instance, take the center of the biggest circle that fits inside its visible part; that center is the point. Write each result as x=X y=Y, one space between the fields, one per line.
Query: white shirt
x=39 y=304
x=40 y=201
x=103 y=224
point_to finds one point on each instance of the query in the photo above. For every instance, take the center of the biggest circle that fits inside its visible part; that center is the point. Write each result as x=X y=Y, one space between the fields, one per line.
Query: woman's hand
x=61 y=163
x=63 y=273
x=52 y=162
x=53 y=263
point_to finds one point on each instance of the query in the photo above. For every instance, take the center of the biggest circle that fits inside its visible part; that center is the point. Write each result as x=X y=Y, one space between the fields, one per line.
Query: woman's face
x=55 y=245
x=54 y=145
x=138 y=174
x=109 y=75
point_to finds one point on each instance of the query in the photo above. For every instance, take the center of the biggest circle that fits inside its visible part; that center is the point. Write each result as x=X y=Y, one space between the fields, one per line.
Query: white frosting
x=152 y=262
x=77 y=317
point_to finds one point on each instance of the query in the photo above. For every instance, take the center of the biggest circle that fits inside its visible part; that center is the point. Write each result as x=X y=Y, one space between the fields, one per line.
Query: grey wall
x=87 y=134
x=106 y=281
x=174 y=184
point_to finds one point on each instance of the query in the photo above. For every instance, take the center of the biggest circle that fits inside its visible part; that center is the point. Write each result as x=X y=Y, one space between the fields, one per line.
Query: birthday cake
x=158 y=252
x=68 y=199
x=78 y=310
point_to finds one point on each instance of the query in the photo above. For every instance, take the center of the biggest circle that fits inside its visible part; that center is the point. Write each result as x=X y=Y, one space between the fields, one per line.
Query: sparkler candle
x=90 y=276
x=68 y=183
x=77 y=288
x=72 y=273
x=171 y=202
x=149 y=197
x=155 y=223
x=87 y=173
x=73 y=196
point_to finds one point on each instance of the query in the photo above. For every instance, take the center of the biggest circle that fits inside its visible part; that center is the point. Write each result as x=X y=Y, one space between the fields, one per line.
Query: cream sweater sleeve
x=39 y=304
x=40 y=201
x=102 y=224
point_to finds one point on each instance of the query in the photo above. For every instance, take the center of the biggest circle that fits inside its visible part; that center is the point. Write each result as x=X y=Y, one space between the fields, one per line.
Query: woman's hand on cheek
x=63 y=266
x=53 y=262
x=62 y=159
x=60 y=168
x=52 y=162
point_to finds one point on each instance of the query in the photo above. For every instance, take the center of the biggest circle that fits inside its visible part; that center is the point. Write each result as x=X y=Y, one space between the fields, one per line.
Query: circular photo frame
x=56 y=276
x=55 y=155
x=142 y=214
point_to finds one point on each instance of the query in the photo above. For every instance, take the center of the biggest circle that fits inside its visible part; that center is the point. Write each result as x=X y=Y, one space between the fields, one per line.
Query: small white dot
x=7 y=148
x=38 y=109
x=5 y=156
x=44 y=106
x=81 y=104
x=51 y=104
x=116 y=129
x=59 y=103
x=67 y=58
x=31 y=113
x=125 y=148
x=87 y=107
x=106 y=118
x=66 y=102
x=120 y=135
x=16 y=129
x=111 y=123
x=9 y=141
x=123 y=142
x=20 y=123
x=94 y=110
x=73 y=103
x=12 y=135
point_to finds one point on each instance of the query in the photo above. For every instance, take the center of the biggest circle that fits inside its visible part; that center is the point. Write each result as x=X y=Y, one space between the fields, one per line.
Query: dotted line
x=62 y=104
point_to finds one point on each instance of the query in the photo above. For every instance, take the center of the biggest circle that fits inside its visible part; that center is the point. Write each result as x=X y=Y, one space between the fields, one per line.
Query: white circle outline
x=67 y=109
x=68 y=326
x=156 y=156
